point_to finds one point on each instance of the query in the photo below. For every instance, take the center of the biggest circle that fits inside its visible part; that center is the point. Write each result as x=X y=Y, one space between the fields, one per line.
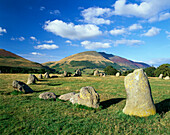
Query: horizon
x=43 y=31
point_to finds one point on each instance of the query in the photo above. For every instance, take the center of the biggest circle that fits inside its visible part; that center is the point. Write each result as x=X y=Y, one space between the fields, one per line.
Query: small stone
x=161 y=76
x=96 y=73
x=47 y=95
x=77 y=73
x=89 y=97
x=139 y=100
x=166 y=78
x=117 y=74
x=74 y=98
x=40 y=76
x=22 y=87
x=31 y=79
x=46 y=75
x=67 y=96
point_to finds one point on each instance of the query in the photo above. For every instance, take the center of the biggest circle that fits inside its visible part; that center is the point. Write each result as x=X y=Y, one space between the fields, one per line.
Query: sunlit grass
x=27 y=114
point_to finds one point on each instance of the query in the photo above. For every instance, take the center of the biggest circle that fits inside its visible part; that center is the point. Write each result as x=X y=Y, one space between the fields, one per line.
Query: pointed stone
x=40 y=76
x=139 y=100
x=117 y=74
x=46 y=75
x=161 y=76
x=31 y=79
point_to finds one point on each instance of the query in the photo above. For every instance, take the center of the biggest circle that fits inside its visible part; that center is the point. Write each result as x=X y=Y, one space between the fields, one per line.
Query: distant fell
x=10 y=59
x=91 y=60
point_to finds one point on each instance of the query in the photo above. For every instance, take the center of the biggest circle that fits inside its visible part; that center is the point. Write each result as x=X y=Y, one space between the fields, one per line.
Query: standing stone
x=65 y=74
x=96 y=73
x=77 y=73
x=46 y=75
x=139 y=100
x=31 y=79
x=22 y=87
x=104 y=74
x=117 y=74
x=67 y=96
x=47 y=95
x=166 y=78
x=40 y=76
x=161 y=76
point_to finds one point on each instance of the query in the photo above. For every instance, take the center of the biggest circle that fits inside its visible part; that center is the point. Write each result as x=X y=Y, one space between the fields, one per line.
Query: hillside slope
x=92 y=60
x=12 y=60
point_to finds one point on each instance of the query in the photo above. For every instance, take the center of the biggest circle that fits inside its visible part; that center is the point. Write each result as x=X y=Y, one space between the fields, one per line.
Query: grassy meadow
x=27 y=114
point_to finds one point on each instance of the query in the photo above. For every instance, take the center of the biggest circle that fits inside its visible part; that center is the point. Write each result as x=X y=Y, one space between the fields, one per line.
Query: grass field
x=27 y=114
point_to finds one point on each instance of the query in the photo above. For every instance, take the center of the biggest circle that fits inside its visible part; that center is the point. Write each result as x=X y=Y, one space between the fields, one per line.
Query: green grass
x=27 y=114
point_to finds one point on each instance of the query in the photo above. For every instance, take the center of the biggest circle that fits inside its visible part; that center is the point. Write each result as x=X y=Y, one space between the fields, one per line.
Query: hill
x=12 y=60
x=92 y=60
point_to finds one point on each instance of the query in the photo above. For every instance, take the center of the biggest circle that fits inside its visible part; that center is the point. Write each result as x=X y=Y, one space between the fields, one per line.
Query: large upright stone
x=46 y=75
x=31 y=79
x=22 y=87
x=117 y=74
x=161 y=76
x=139 y=100
x=89 y=97
x=96 y=73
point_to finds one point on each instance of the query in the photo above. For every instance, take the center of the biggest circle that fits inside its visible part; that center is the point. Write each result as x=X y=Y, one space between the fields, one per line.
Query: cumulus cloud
x=36 y=53
x=68 y=41
x=146 y=9
x=94 y=45
x=168 y=34
x=95 y=15
x=42 y=8
x=2 y=31
x=49 y=41
x=128 y=42
x=46 y=46
x=20 y=38
x=54 y=12
x=135 y=27
x=152 y=32
x=71 y=31
x=159 y=61
x=116 y=32
x=33 y=38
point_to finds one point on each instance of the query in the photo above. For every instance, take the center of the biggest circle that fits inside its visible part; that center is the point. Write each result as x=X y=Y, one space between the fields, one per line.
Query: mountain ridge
x=90 y=59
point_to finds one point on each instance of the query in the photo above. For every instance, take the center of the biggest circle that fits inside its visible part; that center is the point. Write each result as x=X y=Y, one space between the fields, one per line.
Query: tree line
x=150 y=71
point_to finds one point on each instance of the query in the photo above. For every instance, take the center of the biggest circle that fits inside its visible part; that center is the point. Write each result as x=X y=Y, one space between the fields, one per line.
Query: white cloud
x=72 y=31
x=168 y=34
x=42 y=8
x=46 y=46
x=128 y=42
x=146 y=9
x=2 y=31
x=36 y=53
x=135 y=27
x=152 y=32
x=55 y=12
x=49 y=41
x=94 y=45
x=164 y=16
x=20 y=38
x=68 y=41
x=33 y=38
x=118 y=31
x=159 y=61
x=94 y=15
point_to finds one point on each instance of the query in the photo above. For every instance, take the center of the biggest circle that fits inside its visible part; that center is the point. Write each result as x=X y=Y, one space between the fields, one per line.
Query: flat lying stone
x=66 y=97
x=47 y=95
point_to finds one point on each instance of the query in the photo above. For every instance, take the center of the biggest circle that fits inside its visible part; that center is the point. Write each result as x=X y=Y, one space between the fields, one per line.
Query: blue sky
x=49 y=30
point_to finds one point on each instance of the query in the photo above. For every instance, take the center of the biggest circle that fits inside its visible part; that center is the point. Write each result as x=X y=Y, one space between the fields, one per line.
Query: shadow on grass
x=42 y=80
x=163 y=106
x=108 y=103
x=38 y=91
x=49 y=84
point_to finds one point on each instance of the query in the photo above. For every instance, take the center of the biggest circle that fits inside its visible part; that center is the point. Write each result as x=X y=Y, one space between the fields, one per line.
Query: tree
x=163 y=69
x=150 y=71
x=109 y=70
